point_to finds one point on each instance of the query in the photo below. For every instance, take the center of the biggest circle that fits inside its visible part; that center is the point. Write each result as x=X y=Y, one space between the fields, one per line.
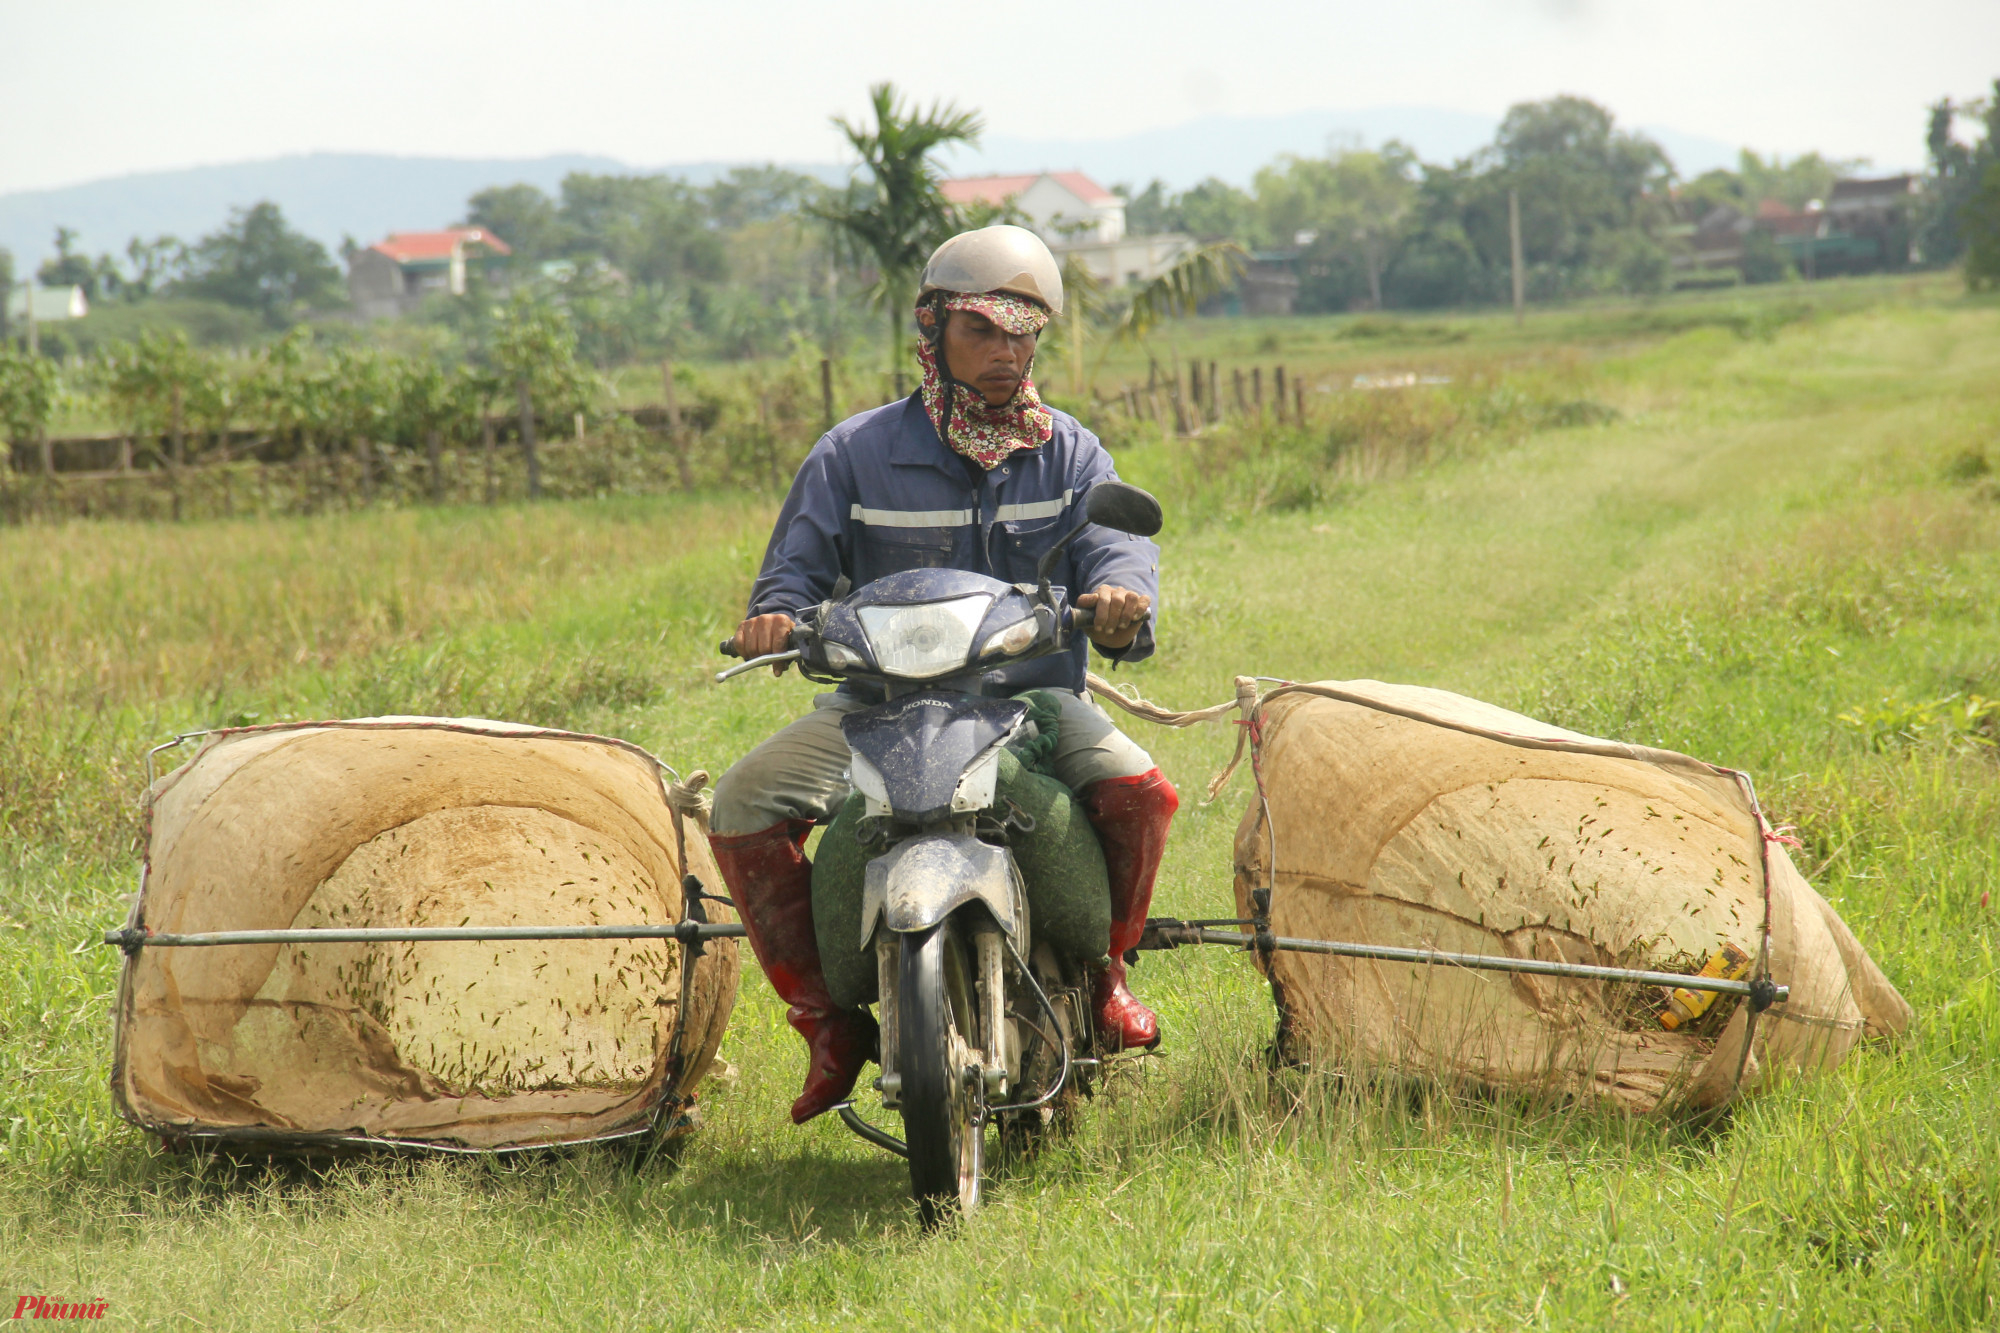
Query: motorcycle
x=981 y=1023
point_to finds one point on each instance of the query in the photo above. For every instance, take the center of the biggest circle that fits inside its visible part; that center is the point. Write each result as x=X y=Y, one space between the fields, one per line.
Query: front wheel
x=938 y=1023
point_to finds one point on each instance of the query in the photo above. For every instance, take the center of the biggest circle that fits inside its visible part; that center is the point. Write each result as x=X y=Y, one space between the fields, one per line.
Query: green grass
x=1777 y=527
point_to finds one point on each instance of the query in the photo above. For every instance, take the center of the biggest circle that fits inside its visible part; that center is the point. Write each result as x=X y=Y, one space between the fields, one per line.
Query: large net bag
x=1405 y=816
x=400 y=822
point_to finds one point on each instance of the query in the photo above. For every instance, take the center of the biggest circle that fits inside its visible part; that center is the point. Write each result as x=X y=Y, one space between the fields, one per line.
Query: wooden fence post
x=1278 y=391
x=1298 y=401
x=527 y=407
x=1242 y=403
x=1214 y=394
x=674 y=437
x=1257 y=389
x=178 y=446
x=486 y=434
x=1195 y=386
x=770 y=438
x=1514 y=248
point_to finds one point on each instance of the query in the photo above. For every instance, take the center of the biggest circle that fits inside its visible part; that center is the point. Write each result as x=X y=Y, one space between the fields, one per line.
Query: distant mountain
x=325 y=195
x=1233 y=147
x=367 y=196
x=1693 y=153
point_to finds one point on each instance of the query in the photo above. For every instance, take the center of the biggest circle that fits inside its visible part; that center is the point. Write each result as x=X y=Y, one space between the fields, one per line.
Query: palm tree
x=900 y=216
x=1199 y=275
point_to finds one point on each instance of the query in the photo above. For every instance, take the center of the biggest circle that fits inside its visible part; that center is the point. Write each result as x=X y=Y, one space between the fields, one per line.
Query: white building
x=1060 y=206
x=1080 y=220
x=51 y=303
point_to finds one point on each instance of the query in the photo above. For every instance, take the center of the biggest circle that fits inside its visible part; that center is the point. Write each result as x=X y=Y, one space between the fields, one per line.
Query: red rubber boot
x=770 y=881
x=1131 y=817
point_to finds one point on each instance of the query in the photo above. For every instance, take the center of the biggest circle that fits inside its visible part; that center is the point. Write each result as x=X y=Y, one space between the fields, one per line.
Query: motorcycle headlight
x=1016 y=638
x=931 y=639
x=842 y=658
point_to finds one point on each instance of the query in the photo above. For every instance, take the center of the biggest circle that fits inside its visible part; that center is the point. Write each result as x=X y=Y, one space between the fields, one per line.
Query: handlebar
x=777 y=660
x=1081 y=618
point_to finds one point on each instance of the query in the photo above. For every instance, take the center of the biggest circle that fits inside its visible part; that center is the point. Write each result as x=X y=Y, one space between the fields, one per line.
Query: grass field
x=1778 y=510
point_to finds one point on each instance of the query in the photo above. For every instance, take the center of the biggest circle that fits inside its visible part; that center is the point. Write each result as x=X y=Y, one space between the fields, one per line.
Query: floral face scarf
x=964 y=421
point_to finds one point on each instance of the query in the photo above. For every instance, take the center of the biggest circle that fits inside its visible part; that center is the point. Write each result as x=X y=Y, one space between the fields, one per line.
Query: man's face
x=981 y=353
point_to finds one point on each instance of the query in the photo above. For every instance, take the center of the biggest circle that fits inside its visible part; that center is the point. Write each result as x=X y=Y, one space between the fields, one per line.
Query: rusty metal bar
x=1167 y=933
x=132 y=939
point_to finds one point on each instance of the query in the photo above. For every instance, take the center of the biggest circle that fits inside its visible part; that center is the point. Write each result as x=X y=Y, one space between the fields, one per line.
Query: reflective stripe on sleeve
x=913 y=518
x=1039 y=509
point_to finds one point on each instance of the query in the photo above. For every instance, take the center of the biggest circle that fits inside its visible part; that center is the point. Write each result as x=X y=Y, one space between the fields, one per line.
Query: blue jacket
x=881 y=493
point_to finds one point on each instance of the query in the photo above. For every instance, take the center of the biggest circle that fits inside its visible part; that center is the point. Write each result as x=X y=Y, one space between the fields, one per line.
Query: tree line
x=1602 y=209
x=764 y=260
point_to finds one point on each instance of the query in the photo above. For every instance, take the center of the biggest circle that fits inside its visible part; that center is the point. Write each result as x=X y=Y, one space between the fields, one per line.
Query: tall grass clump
x=1351 y=437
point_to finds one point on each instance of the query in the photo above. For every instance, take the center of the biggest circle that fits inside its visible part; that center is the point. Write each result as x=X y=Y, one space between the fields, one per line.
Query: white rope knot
x=689 y=798
x=1245 y=703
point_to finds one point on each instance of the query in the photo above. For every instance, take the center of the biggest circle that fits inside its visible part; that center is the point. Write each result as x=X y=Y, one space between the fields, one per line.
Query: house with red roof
x=393 y=276
x=1079 y=218
x=1058 y=205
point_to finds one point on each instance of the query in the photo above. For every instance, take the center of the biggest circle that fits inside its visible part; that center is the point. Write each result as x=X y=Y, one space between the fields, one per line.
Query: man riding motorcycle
x=970 y=472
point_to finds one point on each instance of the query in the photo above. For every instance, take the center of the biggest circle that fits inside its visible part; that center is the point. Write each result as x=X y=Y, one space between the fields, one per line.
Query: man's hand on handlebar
x=1118 y=614
x=762 y=635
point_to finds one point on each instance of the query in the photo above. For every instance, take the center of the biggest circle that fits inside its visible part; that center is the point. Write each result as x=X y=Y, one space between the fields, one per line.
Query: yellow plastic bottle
x=1728 y=963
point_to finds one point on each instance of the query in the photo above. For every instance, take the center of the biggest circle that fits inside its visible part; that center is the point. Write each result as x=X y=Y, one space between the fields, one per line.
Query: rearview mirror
x=1109 y=504
x=1123 y=507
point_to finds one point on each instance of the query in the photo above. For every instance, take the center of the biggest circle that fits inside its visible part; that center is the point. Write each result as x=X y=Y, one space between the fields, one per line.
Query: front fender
x=918 y=883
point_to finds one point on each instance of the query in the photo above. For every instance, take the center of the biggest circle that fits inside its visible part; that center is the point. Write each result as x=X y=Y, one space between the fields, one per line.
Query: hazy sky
x=93 y=88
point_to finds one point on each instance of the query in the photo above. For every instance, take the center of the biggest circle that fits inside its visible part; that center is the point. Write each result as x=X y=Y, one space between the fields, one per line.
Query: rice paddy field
x=1762 y=528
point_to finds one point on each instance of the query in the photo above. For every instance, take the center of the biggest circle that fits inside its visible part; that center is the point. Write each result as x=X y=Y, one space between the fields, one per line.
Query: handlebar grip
x=728 y=647
x=1082 y=617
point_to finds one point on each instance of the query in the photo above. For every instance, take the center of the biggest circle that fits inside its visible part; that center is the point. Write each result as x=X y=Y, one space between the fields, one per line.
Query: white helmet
x=1000 y=258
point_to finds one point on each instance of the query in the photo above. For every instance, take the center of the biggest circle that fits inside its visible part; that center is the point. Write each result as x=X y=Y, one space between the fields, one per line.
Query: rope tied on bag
x=688 y=799
x=1038 y=753
x=1245 y=703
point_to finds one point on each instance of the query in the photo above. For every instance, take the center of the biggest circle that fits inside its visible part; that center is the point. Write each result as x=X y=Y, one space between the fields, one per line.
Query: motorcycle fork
x=990 y=951
x=888 y=954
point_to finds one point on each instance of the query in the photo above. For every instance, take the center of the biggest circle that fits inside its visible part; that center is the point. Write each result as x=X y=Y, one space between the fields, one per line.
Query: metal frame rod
x=1171 y=934
x=881 y=1138
x=684 y=931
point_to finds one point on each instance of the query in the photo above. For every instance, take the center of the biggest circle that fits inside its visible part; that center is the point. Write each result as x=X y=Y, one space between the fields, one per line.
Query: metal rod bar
x=1171 y=935
x=685 y=931
x=880 y=1138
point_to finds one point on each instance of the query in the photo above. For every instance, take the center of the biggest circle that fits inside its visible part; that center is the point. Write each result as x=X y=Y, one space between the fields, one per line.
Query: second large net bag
x=1412 y=817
